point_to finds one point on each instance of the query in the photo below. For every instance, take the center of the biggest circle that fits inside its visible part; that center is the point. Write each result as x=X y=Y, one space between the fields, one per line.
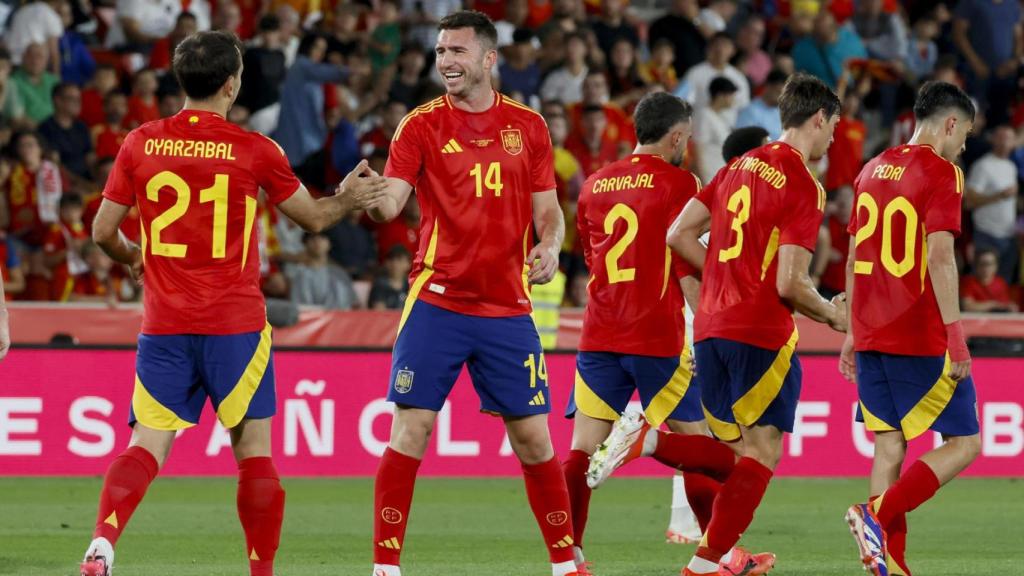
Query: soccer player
x=764 y=211
x=195 y=178
x=906 y=349
x=482 y=168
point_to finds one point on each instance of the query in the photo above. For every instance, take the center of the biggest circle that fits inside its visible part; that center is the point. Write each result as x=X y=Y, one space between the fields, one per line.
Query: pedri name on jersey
x=762 y=169
x=888 y=172
x=188 y=148
x=616 y=183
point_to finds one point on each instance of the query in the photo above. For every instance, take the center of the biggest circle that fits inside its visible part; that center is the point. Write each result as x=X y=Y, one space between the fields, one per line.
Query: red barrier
x=96 y=324
x=64 y=413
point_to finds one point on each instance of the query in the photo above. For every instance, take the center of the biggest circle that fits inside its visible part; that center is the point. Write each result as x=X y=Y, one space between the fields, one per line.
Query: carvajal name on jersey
x=888 y=172
x=617 y=183
x=762 y=169
x=188 y=148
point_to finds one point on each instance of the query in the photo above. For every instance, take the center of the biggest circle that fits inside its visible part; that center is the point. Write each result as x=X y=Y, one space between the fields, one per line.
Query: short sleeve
x=119 y=186
x=272 y=171
x=706 y=194
x=405 y=157
x=802 y=213
x=942 y=210
x=542 y=158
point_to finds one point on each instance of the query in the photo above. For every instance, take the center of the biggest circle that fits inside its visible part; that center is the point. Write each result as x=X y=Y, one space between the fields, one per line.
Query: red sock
x=575 y=469
x=549 y=499
x=392 y=498
x=734 y=508
x=700 y=493
x=695 y=453
x=261 y=510
x=914 y=488
x=896 y=538
x=124 y=486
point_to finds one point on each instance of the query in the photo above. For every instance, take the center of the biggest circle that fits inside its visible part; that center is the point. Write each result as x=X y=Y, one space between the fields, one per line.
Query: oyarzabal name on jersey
x=617 y=183
x=764 y=170
x=188 y=148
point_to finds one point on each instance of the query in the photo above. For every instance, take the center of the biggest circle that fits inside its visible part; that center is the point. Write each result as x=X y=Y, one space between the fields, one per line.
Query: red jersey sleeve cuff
x=277 y=199
x=118 y=199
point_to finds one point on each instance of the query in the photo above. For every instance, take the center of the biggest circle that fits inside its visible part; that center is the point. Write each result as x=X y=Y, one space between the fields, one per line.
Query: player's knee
x=534 y=452
x=410 y=435
x=968 y=446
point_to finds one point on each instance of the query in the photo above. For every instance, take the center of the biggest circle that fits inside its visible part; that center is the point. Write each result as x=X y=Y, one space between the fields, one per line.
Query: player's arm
x=360 y=188
x=390 y=204
x=685 y=232
x=107 y=235
x=691 y=291
x=549 y=223
x=847 y=356
x=796 y=287
x=945 y=284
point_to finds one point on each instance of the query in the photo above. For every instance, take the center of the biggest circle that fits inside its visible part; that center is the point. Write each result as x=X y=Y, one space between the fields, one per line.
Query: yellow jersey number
x=611 y=259
x=489 y=178
x=897 y=268
x=738 y=204
x=537 y=369
x=217 y=194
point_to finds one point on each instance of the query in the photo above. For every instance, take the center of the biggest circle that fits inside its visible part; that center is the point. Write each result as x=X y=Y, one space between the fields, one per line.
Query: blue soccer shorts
x=914 y=394
x=504 y=357
x=605 y=382
x=742 y=384
x=175 y=374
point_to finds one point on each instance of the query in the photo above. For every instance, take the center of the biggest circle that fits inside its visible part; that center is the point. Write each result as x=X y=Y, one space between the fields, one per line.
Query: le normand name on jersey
x=188 y=148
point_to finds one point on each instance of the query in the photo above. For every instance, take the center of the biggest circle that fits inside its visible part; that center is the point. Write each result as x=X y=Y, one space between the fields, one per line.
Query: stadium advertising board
x=64 y=412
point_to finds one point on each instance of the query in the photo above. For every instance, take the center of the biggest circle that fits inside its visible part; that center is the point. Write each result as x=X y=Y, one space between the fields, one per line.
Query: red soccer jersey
x=834 y=277
x=846 y=154
x=759 y=202
x=996 y=291
x=902 y=195
x=474 y=175
x=195 y=177
x=635 y=303
x=591 y=162
x=65 y=238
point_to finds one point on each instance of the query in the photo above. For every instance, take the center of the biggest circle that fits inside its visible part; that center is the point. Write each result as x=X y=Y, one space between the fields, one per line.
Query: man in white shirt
x=142 y=22
x=720 y=50
x=565 y=83
x=35 y=23
x=712 y=125
x=992 y=195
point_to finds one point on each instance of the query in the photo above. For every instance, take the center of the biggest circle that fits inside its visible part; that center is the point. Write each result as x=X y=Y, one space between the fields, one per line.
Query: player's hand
x=135 y=269
x=848 y=360
x=543 y=263
x=839 y=321
x=362 y=188
x=959 y=354
x=5 y=334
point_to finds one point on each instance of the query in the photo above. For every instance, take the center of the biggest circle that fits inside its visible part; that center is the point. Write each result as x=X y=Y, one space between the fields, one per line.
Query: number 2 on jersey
x=611 y=259
x=739 y=204
x=904 y=207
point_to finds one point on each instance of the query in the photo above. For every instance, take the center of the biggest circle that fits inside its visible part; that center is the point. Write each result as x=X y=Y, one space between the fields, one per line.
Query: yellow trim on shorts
x=421 y=279
x=872 y=422
x=669 y=397
x=233 y=408
x=724 y=431
x=151 y=413
x=930 y=406
x=749 y=408
x=589 y=403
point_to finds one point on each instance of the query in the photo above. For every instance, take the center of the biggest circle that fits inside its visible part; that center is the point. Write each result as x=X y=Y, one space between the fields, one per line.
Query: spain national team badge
x=512 y=141
x=403 y=381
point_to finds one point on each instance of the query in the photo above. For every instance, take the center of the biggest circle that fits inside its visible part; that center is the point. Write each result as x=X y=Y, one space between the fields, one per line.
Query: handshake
x=363 y=189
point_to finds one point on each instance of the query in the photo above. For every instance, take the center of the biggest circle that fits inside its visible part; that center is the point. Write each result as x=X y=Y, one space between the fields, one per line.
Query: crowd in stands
x=330 y=81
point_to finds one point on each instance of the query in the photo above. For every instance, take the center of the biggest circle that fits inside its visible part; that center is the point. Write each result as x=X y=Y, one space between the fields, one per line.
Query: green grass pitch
x=461 y=527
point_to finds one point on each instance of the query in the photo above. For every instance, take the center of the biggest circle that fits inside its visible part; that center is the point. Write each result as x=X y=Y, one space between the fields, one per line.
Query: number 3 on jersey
x=739 y=204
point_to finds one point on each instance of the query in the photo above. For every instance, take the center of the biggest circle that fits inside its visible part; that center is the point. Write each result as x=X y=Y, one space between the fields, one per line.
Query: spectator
x=824 y=53
x=263 y=72
x=619 y=128
x=10 y=101
x=922 y=53
x=170 y=103
x=108 y=136
x=680 y=29
x=565 y=84
x=566 y=18
x=351 y=246
x=698 y=79
x=984 y=290
x=141 y=23
x=612 y=26
x=62 y=248
x=838 y=211
x=568 y=179
x=65 y=133
x=185 y=25
x=882 y=33
x=76 y=62
x=990 y=37
x=391 y=287
x=11 y=273
x=143 y=105
x=33 y=191
x=409 y=86
x=712 y=125
x=316 y=281
x=716 y=17
x=752 y=59
x=592 y=149
x=520 y=73
x=301 y=129
x=98 y=283
x=402 y=231
x=764 y=110
x=422 y=16
x=345 y=39
x=378 y=140
x=104 y=81
x=36 y=23
x=992 y=191
x=386 y=39
x=626 y=85
x=846 y=154
x=35 y=85
x=514 y=18
x=660 y=69
x=227 y=17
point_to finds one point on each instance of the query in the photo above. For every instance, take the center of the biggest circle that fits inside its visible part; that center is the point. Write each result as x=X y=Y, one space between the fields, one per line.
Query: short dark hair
x=71 y=199
x=522 y=36
x=592 y=108
x=742 y=140
x=397 y=251
x=185 y=15
x=776 y=76
x=719 y=36
x=204 y=61
x=721 y=86
x=937 y=97
x=478 y=21
x=269 y=23
x=61 y=88
x=657 y=113
x=802 y=97
x=308 y=41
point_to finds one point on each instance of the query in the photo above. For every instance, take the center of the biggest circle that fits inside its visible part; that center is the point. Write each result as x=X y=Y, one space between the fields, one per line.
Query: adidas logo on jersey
x=538 y=400
x=452 y=147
